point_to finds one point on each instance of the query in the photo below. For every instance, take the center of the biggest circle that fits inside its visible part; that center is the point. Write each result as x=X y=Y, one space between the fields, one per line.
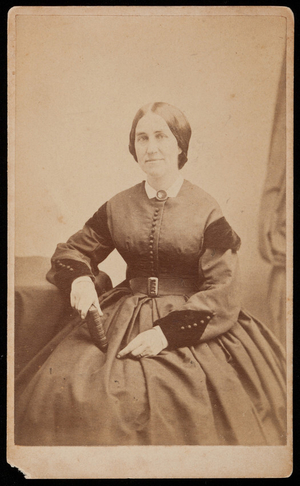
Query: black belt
x=154 y=286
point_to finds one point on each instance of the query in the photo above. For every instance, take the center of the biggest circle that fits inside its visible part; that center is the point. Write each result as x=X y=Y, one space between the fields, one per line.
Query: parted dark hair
x=175 y=120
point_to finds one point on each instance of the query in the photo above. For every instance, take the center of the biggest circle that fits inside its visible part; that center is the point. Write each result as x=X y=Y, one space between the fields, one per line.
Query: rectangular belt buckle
x=152 y=286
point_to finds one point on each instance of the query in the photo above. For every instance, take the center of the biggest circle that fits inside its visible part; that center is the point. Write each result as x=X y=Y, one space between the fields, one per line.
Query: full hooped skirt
x=229 y=390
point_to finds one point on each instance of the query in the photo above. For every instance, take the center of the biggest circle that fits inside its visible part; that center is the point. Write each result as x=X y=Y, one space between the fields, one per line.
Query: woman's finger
x=72 y=299
x=83 y=295
x=97 y=305
x=83 y=304
x=84 y=309
x=135 y=343
x=139 y=352
x=147 y=344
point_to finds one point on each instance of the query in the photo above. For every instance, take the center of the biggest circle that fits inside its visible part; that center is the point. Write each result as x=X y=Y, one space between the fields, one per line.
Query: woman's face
x=156 y=147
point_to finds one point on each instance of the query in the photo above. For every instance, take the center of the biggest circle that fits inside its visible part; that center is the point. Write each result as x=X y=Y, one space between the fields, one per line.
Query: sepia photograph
x=150 y=242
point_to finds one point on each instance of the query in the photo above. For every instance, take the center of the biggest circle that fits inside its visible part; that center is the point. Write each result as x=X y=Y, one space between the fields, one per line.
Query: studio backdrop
x=80 y=80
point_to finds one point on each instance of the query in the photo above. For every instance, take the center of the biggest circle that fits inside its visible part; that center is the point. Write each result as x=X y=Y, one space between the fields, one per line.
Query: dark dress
x=220 y=381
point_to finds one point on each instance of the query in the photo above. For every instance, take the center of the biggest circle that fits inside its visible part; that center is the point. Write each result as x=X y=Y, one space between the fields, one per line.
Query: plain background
x=80 y=80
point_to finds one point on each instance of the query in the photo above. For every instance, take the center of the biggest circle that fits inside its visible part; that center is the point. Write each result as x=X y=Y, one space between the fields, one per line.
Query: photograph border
x=146 y=461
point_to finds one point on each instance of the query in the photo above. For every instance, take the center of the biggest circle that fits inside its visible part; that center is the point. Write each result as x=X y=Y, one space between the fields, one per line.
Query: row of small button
x=60 y=264
x=195 y=324
x=151 y=252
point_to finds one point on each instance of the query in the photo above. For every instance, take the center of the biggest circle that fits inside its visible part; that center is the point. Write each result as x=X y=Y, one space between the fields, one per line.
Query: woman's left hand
x=145 y=345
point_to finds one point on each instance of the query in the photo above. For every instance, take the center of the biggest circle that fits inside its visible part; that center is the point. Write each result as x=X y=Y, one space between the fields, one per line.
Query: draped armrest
x=41 y=309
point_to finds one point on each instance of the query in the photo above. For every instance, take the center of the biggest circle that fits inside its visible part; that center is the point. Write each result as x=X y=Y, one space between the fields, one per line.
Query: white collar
x=171 y=192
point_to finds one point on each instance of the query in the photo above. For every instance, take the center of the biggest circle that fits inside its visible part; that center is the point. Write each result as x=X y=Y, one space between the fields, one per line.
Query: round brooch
x=161 y=195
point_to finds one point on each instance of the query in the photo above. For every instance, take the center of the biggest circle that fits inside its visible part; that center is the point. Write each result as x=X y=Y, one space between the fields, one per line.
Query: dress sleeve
x=215 y=307
x=82 y=253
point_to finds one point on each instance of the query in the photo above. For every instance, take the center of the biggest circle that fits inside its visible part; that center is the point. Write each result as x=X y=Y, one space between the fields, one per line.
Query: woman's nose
x=152 y=145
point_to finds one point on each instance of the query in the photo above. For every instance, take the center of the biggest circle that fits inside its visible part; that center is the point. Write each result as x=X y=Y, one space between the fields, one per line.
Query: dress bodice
x=185 y=237
x=161 y=238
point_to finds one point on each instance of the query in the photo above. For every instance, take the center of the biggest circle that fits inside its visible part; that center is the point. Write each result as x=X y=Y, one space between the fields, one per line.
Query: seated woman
x=185 y=364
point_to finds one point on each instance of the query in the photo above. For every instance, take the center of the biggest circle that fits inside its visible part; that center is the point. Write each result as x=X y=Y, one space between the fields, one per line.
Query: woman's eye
x=142 y=138
x=160 y=135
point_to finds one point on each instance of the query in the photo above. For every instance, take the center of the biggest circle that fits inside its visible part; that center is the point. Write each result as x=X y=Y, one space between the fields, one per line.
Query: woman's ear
x=179 y=151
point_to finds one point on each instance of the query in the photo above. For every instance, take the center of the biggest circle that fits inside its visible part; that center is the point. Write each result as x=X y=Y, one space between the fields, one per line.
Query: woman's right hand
x=83 y=295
